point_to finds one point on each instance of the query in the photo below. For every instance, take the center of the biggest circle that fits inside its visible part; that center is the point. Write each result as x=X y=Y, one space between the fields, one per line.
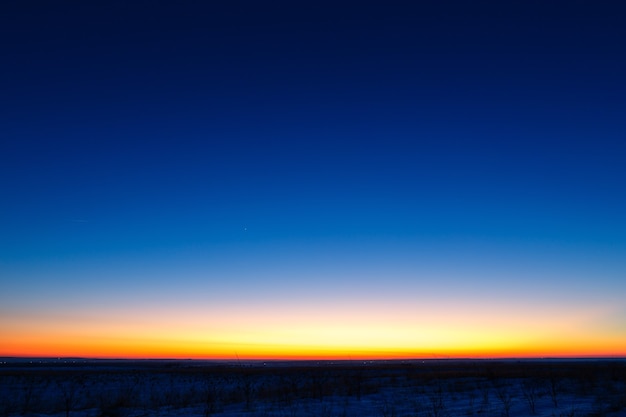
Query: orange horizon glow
x=342 y=332
x=141 y=349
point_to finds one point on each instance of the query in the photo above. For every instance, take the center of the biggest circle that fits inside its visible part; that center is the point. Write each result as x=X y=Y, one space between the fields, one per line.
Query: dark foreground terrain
x=436 y=388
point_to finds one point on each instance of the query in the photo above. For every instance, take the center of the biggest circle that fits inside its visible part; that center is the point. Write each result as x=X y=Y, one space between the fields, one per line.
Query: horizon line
x=317 y=359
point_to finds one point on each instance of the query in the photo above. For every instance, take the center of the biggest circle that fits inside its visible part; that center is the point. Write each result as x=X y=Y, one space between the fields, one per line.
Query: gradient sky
x=287 y=180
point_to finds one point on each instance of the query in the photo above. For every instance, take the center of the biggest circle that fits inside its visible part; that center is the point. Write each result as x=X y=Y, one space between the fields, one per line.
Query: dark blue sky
x=285 y=142
x=168 y=124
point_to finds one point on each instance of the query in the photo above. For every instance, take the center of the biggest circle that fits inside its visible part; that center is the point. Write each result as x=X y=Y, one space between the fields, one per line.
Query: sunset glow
x=276 y=330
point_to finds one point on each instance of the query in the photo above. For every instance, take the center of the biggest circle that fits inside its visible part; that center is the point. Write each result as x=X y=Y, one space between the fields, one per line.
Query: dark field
x=437 y=388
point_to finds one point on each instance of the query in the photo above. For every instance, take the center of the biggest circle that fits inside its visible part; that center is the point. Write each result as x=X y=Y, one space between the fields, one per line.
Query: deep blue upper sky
x=138 y=128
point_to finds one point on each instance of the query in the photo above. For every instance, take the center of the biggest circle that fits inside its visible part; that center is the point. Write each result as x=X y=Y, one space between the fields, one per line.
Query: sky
x=312 y=180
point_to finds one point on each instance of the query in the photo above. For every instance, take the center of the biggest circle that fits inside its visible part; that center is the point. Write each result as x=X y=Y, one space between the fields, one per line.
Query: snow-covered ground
x=385 y=389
